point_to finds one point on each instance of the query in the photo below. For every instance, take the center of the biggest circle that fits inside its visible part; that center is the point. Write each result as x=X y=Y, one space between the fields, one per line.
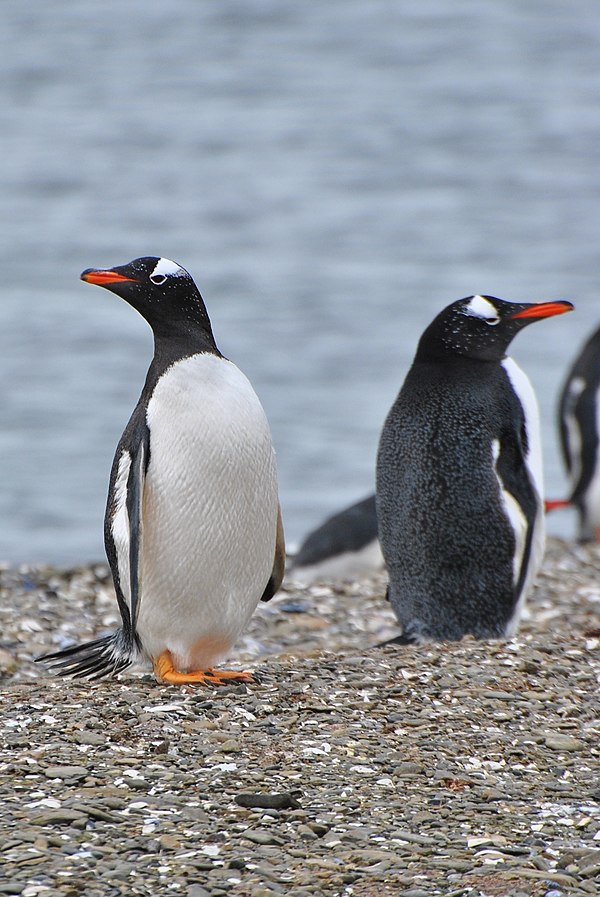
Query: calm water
x=332 y=175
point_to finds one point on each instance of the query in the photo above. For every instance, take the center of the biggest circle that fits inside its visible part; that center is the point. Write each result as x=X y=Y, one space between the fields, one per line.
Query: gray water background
x=332 y=174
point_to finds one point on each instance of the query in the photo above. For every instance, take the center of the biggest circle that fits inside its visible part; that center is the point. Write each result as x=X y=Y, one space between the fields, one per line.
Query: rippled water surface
x=331 y=174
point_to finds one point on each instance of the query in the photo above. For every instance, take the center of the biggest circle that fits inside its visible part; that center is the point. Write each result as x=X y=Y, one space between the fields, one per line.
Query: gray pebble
x=91 y=738
x=414 y=892
x=265 y=800
x=260 y=836
x=66 y=772
x=58 y=817
x=559 y=742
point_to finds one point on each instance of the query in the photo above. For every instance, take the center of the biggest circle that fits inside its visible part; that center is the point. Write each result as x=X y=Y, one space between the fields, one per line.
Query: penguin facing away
x=459 y=477
x=579 y=423
x=193 y=529
x=343 y=546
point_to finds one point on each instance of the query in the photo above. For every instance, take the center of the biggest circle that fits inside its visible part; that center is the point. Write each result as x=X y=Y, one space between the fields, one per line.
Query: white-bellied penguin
x=193 y=529
x=459 y=477
x=579 y=422
x=345 y=545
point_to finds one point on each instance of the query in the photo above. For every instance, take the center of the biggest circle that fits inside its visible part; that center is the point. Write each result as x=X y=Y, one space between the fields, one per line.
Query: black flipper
x=276 y=577
x=111 y=654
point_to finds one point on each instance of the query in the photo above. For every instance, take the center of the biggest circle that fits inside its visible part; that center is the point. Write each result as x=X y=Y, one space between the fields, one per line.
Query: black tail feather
x=93 y=660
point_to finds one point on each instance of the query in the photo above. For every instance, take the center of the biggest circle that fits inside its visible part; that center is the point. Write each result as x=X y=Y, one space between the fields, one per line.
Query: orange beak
x=103 y=278
x=544 y=310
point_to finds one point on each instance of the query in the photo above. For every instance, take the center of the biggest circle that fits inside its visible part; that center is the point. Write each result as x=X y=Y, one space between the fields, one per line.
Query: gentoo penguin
x=459 y=479
x=579 y=421
x=343 y=546
x=193 y=529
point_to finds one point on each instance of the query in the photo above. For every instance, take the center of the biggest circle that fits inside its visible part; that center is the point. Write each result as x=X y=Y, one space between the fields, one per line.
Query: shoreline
x=463 y=768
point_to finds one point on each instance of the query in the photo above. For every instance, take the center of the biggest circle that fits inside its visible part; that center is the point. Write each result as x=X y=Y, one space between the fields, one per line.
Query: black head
x=162 y=291
x=481 y=327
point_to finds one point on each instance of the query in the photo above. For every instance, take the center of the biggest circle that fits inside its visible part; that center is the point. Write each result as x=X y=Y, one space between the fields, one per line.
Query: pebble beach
x=345 y=769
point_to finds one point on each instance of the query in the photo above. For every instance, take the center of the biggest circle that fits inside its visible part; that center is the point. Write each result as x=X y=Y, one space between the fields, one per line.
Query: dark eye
x=158 y=279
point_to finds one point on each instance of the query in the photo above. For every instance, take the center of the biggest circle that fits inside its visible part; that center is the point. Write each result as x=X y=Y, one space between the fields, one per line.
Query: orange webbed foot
x=166 y=672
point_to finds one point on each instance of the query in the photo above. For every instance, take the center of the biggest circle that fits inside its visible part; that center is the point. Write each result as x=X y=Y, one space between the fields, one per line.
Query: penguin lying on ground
x=344 y=546
x=459 y=479
x=193 y=529
x=579 y=422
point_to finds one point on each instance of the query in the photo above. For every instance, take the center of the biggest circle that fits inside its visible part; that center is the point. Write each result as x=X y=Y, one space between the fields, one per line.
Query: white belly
x=533 y=460
x=209 y=512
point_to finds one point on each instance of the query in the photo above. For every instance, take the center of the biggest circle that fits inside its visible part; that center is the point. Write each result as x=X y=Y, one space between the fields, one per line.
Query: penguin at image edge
x=579 y=424
x=193 y=530
x=459 y=477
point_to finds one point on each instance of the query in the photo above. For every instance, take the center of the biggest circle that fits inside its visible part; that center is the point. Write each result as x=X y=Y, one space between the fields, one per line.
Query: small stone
x=122 y=871
x=197 y=891
x=8 y=664
x=501 y=696
x=559 y=742
x=408 y=768
x=490 y=794
x=137 y=784
x=231 y=746
x=93 y=812
x=414 y=838
x=260 y=836
x=591 y=871
x=169 y=842
x=266 y=800
x=66 y=772
x=306 y=833
x=58 y=817
x=91 y=738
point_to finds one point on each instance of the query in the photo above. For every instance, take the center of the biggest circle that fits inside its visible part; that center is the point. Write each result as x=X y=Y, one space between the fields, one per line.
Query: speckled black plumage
x=455 y=439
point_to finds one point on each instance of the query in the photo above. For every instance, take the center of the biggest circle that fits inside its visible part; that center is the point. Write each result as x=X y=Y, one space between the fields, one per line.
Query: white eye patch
x=166 y=268
x=480 y=307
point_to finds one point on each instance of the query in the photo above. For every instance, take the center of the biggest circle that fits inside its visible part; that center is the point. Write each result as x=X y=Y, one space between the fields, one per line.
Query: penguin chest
x=209 y=510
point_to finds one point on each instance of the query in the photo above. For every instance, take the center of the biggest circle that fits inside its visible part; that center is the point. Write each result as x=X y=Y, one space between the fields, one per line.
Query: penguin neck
x=180 y=342
x=441 y=355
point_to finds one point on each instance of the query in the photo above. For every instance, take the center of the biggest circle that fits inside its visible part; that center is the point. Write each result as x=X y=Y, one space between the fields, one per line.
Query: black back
x=446 y=540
